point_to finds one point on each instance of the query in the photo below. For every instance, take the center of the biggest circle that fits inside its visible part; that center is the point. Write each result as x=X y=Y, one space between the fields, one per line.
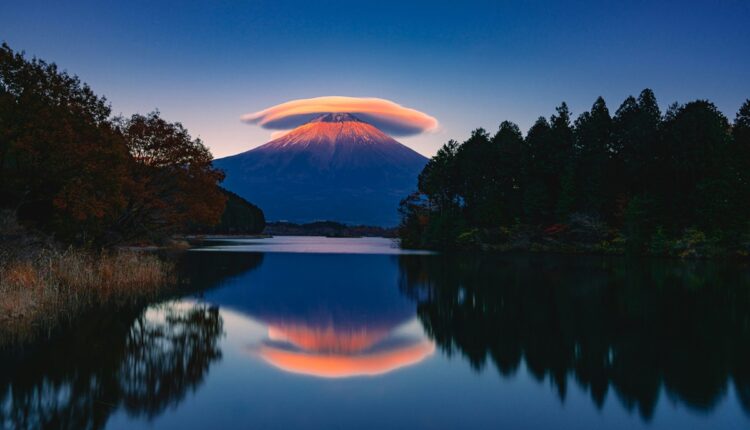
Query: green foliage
x=695 y=243
x=660 y=244
x=739 y=160
x=440 y=178
x=693 y=181
x=539 y=173
x=239 y=217
x=567 y=199
x=478 y=160
x=471 y=238
x=593 y=161
x=638 y=223
x=604 y=183
x=635 y=138
x=415 y=212
x=743 y=248
x=443 y=230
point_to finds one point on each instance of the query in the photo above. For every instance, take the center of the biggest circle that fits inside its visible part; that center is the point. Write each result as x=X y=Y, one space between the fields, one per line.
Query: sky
x=468 y=64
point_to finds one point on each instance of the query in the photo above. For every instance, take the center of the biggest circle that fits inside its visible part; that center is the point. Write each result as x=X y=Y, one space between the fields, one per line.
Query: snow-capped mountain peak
x=334 y=167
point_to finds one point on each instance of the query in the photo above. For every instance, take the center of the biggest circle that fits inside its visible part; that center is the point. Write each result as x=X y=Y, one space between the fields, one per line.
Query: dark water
x=349 y=333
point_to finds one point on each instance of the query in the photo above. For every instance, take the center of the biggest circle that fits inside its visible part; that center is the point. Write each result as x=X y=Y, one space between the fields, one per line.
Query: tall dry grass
x=44 y=286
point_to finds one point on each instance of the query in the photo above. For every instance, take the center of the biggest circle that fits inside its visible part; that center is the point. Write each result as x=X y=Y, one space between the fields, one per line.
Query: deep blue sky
x=469 y=64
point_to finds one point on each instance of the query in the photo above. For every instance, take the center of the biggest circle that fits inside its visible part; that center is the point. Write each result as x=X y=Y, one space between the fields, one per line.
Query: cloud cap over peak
x=386 y=115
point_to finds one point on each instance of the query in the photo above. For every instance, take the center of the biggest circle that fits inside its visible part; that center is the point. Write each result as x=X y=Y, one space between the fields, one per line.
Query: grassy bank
x=43 y=286
x=587 y=235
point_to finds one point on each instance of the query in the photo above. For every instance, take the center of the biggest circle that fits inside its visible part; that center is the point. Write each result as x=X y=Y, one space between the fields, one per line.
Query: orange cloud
x=342 y=365
x=386 y=115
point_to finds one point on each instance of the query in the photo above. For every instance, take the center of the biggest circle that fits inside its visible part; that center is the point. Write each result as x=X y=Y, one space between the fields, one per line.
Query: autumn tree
x=62 y=164
x=68 y=168
x=173 y=182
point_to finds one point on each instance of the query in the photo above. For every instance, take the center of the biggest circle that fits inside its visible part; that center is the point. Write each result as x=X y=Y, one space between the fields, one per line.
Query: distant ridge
x=335 y=167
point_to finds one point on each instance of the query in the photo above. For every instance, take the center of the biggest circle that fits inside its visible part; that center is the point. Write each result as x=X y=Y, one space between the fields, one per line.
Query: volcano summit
x=334 y=167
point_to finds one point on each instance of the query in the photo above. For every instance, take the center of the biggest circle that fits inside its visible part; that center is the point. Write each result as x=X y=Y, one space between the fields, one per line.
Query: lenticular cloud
x=386 y=115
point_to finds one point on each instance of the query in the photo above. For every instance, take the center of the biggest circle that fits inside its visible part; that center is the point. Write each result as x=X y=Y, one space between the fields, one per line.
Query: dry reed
x=46 y=287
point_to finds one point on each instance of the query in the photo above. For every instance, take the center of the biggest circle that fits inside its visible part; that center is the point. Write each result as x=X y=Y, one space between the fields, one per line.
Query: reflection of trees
x=141 y=364
x=202 y=270
x=165 y=360
x=606 y=324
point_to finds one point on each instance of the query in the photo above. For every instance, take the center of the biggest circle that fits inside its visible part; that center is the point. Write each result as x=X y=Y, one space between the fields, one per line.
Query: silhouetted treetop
x=639 y=181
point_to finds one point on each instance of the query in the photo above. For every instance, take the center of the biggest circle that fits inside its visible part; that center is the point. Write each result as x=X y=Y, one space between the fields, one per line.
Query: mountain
x=335 y=167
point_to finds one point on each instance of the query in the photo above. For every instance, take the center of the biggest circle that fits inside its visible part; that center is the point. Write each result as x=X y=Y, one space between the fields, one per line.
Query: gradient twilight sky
x=469 y=64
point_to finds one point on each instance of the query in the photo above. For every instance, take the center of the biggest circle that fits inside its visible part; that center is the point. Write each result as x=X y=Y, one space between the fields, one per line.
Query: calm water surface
x=321 y=333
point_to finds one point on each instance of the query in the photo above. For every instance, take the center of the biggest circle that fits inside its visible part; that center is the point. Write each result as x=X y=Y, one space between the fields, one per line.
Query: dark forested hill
x=239 y=217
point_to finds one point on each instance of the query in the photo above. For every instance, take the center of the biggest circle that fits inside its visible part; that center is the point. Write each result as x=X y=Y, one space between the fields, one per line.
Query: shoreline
x=691 y=244
x=46 y=288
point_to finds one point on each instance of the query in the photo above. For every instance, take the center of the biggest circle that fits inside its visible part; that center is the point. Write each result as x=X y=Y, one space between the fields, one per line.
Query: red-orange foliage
x=556 y=229
x=173 y=181
x=69 y=169
x=62 y=164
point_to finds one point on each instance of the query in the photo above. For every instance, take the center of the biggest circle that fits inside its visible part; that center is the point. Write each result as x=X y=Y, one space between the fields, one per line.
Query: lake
x=323 y=333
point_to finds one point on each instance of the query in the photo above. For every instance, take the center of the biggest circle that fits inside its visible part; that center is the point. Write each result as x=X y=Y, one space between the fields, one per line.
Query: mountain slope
x=335 y=167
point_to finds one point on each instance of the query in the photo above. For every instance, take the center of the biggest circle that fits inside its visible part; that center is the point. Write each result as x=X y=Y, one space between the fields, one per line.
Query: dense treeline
x=639 y=180
x=328 y=229
x=70 y=169
x=239 y=217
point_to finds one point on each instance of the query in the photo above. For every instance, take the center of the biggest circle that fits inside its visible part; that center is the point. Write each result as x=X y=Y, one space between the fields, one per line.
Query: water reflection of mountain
x=136 y=362
x=328 y=315
x=633 y=328
x=318 y=290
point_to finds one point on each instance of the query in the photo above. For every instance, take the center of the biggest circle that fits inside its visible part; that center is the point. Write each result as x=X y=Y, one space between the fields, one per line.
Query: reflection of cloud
x=386 y=115
x=331 y=351
x=328 y=338
x=344 y=365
